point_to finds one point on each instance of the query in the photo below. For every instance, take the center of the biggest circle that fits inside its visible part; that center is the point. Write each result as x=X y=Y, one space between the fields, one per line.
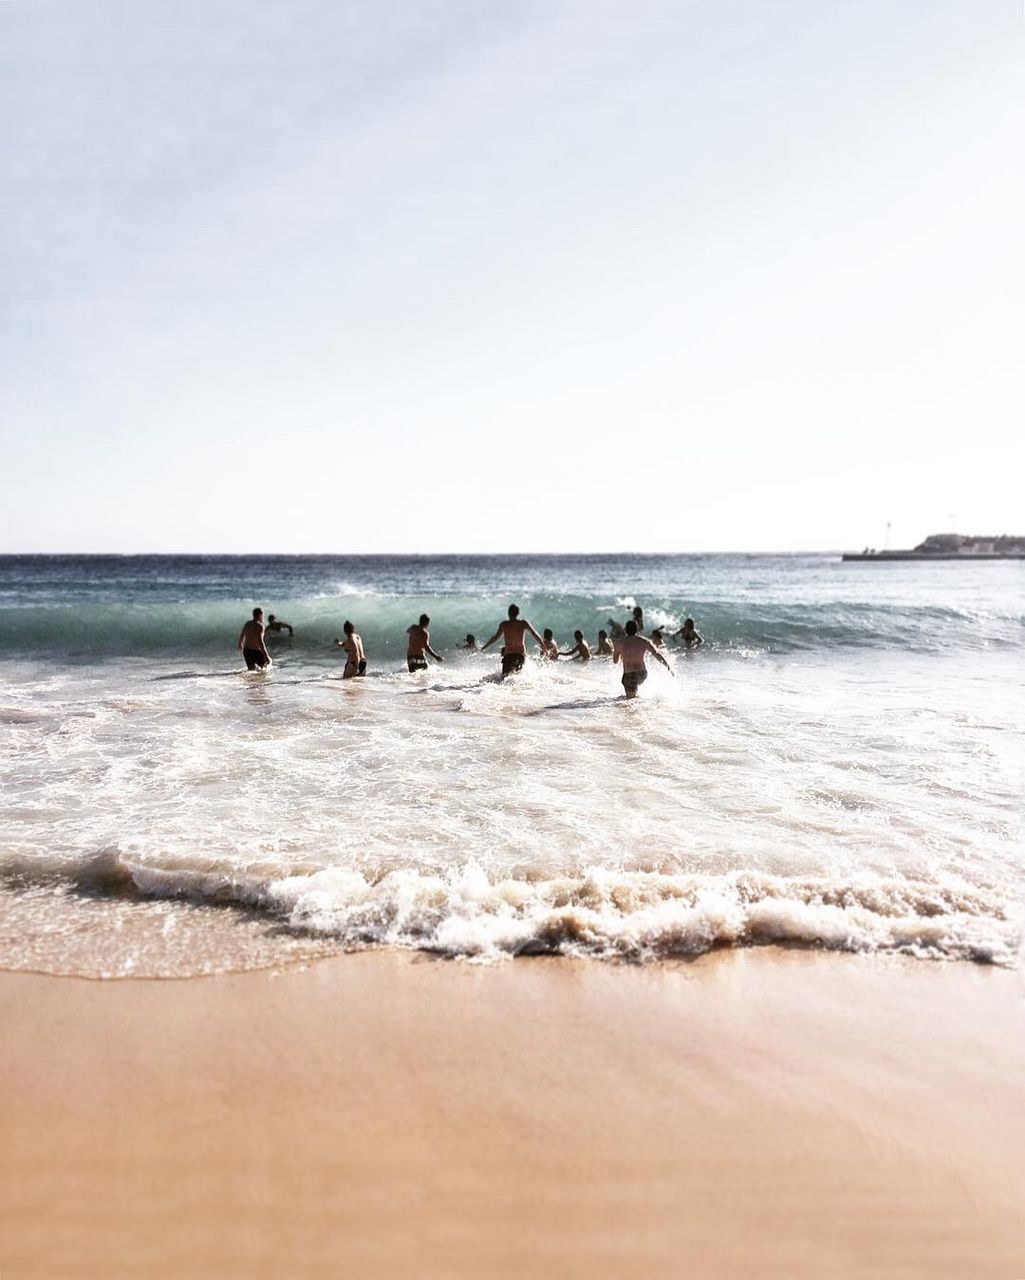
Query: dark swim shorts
x=362 y=668
x=416 y=663
x=512 y=662
x=632 y=680
x=255 y=658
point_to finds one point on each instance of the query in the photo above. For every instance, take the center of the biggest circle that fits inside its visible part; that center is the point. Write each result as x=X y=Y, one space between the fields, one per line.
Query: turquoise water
x=120 y=605
x=841 y=765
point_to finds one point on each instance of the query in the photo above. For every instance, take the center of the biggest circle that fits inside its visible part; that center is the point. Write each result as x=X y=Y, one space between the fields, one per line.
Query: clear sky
x=469 y=275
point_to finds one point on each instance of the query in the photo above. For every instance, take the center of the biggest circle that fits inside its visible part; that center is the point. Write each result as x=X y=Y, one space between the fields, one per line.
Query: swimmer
x=252 y=644
x=688 y=635
x=604 y=649
x=419 y=645
x=549 y=645
x=581 y=650
x=275 y=625
x=633 y=649
x=512 y=632
x=656 y=639
x=355 y=658
x=470 y=643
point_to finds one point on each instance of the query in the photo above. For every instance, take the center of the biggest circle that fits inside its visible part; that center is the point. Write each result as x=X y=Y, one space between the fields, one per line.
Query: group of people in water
x=623 y=643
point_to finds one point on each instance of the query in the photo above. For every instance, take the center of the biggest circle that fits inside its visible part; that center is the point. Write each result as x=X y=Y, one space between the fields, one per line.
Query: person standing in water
x=581 y=649
x=511 y=633
x=355 y=658
x=418 y=645
x=638 y=617
x=550 y=646
x=688 y=635
x=252 y=644
x=275 y=625
x=604 y=649
x=633 y=650
x=470 y=643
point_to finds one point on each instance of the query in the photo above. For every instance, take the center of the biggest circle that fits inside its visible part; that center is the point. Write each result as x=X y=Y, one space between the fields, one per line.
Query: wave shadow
x=203 y=675
x=577 y=704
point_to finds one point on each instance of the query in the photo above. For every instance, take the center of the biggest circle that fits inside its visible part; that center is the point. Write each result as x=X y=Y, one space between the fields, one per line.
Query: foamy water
x=841 y=765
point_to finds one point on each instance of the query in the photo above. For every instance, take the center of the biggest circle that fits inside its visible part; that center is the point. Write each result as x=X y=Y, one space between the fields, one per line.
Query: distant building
x=962 y=544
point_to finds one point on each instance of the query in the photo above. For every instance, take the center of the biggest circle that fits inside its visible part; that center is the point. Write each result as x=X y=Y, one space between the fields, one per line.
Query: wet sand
x=765 y=1112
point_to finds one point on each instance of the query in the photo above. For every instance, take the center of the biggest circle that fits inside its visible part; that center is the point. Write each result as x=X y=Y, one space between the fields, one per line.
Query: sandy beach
x=379 y=1114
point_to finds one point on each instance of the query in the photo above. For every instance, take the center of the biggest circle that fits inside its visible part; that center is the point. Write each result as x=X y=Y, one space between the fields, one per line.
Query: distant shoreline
x=933 y=555
x=950 y=546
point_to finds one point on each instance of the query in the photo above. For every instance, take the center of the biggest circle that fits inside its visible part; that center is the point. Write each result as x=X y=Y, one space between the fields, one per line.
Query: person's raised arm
x=492 y=640
x=655 y=654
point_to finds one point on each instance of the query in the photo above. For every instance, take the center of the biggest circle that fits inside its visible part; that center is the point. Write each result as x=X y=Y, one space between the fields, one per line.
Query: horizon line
x=412 y=555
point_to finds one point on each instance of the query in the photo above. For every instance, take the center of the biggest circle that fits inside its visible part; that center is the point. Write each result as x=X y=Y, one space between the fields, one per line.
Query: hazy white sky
x=459 y=275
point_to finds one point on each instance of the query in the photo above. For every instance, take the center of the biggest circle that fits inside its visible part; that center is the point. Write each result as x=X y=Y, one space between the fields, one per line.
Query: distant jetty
x=951 y=546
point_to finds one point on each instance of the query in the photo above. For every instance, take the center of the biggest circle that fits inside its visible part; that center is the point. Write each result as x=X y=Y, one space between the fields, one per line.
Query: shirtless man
x=419 y=645
x=688 y=635
x=470 y=643
x=581 y=649
x=604 y=649
x=251 y=643
x=355 y=658
x=511 y=633
x=274 y=625
x=549 y=645
x=634 y=649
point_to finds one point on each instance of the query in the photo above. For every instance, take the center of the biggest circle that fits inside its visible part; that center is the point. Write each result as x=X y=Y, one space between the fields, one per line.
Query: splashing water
x=840 y=766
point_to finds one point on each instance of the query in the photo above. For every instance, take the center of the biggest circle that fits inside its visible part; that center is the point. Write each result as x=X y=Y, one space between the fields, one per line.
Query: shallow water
x=841 y=765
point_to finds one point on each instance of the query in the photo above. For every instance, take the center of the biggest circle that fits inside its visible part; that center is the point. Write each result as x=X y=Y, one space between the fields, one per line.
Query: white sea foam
x=601 y=912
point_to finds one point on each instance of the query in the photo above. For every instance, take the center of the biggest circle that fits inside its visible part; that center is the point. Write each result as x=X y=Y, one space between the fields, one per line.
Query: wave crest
x=627 y=915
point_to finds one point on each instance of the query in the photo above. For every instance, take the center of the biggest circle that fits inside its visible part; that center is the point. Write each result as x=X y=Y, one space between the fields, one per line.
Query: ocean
x=839 y=766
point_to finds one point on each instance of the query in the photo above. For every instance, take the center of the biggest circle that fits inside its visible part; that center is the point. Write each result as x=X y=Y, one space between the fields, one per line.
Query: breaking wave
x=103 y=607
x=108 y=630
x=619 y=915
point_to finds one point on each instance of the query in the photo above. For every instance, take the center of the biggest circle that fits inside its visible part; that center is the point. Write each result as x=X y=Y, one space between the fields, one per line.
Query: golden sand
x=757 y=1113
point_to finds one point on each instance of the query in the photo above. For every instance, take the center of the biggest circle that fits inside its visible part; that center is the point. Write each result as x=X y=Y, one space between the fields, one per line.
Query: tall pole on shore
x=889 y=526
